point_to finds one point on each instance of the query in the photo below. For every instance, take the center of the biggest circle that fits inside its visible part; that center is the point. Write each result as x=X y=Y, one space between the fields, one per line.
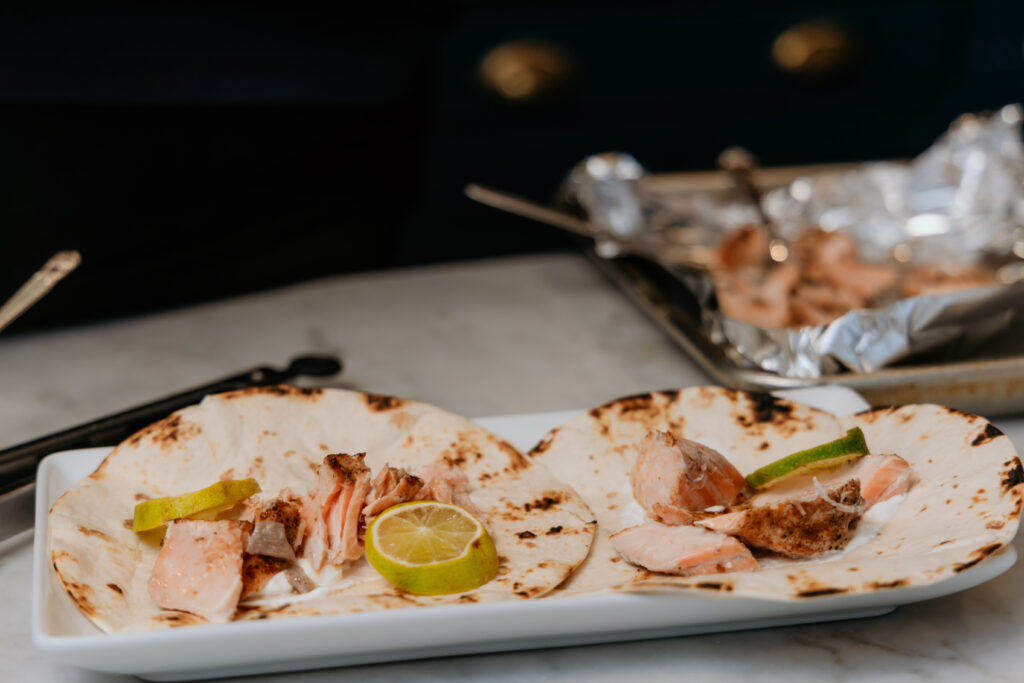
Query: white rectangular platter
x=241 y=648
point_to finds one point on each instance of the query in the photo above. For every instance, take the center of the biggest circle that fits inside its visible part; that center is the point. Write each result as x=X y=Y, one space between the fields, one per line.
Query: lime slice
x=828 y=454
x=201 y=504
x=431 y=548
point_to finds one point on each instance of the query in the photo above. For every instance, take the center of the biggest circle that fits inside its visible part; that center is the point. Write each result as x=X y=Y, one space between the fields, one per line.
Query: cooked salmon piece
x=779 y=283
x=267 y=552
x=742 y=248
x=199 y=569
x=882 y=477
x=820 y=304
x=832 y=257
x=682 y=550
x=276 y=530
x=866 y=280
x=445 y=483
x=795 y=521
x=391 y=486
x=258 y=570
x=332 y=510
x=345 y=517
x=288 y=511
x=927 y=280
x=742 y=296
x=674 y=478
x=818 y=251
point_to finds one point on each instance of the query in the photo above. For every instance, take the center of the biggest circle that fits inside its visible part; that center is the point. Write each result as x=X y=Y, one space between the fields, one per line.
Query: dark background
x=192 y=152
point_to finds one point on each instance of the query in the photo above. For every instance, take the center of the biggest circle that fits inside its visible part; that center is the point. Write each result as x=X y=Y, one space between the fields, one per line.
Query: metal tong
x=18 y=463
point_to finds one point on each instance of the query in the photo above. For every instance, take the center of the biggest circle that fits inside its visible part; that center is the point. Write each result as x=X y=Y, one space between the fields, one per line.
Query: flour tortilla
x=963 y=505
x=541 y=527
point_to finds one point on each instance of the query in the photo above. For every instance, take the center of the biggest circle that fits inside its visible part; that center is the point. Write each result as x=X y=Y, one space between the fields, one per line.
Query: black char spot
x=987 y=434
x=1013 y=477
x=820 y=591
x=766 y=407
x=379 y=403
x=541 y=503
x=715 y=586
x=981 y=554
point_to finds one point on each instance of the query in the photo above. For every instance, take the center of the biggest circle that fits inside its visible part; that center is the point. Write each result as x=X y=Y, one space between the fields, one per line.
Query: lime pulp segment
x=431 y=548
x=426 y=534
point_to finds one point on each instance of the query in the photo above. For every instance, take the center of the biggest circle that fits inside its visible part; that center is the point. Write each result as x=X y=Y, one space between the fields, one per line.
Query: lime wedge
x=203 y=504
x=431 y=548
x=829 y=454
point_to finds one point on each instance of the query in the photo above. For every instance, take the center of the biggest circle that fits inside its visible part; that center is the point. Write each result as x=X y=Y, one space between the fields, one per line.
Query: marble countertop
x=516 y=335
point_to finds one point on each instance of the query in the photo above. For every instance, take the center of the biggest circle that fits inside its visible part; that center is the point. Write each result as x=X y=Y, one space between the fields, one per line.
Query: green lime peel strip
x=853 y=444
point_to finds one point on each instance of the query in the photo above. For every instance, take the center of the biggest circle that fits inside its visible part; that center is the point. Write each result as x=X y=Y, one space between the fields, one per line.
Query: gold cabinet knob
x=523 y=71
x=815 y=49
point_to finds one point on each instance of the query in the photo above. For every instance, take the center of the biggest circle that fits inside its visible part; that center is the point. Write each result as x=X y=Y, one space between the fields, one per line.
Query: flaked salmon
x=763 y=303
x=332 y=510
x=928 y=280
x=682 y=550
x=882 y=477
x=199 y=569
x=744 y=247
x=820 y=304
x=445 y=483
x=832 y=257
x=391 y=486
x=866 y=280
x=795 y=521
x=674 y=478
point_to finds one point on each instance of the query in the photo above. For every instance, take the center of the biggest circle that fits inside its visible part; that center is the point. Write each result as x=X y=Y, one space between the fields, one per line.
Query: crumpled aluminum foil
x=961 y=197
x=959 y=202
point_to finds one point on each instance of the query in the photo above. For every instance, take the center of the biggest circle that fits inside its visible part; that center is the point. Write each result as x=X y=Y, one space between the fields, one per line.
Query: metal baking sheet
x=990 y=383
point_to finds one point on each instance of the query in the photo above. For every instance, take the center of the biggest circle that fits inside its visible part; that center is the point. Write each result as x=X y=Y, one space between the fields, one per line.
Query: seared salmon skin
x=445 y=483
x=795 y=522
x=882 y=477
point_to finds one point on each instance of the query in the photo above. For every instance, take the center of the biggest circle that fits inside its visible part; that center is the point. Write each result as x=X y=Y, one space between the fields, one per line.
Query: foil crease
x=960 y=202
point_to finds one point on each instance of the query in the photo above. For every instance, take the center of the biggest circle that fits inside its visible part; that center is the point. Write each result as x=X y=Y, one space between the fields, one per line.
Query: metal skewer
x=18 y=463
x=691 y=256
x=524 y=207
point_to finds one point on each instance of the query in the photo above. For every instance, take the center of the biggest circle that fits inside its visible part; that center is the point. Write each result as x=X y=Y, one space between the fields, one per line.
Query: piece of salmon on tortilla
x=281 y=436
x=952 y=482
